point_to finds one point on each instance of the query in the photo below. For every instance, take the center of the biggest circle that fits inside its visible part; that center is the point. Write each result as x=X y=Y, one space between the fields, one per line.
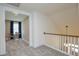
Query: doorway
x=17 y=27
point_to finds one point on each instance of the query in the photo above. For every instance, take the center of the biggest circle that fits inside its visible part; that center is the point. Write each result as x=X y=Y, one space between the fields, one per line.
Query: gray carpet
x=21 y=48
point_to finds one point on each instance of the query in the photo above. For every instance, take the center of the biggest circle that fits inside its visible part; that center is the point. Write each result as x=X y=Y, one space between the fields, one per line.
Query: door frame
x=30 y=22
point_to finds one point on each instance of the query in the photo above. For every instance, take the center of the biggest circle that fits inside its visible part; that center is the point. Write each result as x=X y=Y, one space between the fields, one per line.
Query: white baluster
x=60 y=42
x=74 y=46
x=78 y=46
x=71 y=45
x=65 y=43
x=68 y=45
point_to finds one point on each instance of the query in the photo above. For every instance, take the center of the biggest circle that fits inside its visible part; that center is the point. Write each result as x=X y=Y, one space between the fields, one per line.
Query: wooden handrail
x=61 y=34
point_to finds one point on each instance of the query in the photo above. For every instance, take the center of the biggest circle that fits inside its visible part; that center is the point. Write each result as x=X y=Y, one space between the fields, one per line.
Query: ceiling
x=14 y=17
x=14 y=4
x=61 y=14
x=45 y=8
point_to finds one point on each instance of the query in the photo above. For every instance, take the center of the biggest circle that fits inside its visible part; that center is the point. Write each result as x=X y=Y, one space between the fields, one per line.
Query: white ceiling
x=60 y=14
x=14 y=17
x=15 y=4
x=46 y=8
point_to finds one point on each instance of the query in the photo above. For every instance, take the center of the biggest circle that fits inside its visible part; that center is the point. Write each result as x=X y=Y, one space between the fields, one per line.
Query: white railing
x=66 y=43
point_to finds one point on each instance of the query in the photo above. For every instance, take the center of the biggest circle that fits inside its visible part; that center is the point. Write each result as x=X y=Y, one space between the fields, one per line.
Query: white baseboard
x=57 y=49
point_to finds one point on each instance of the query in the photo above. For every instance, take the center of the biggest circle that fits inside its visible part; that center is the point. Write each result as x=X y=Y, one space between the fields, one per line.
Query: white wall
x=53 y=24
x=67 y=17
x=41 y=24
x=26 y=30
x=7 y=26
x=61 y=19
x=2 y=31
x=7 y=29
x=2 y=27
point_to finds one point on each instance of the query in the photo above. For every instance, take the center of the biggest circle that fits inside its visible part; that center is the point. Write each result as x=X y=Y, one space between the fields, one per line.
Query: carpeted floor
x=21 y=48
